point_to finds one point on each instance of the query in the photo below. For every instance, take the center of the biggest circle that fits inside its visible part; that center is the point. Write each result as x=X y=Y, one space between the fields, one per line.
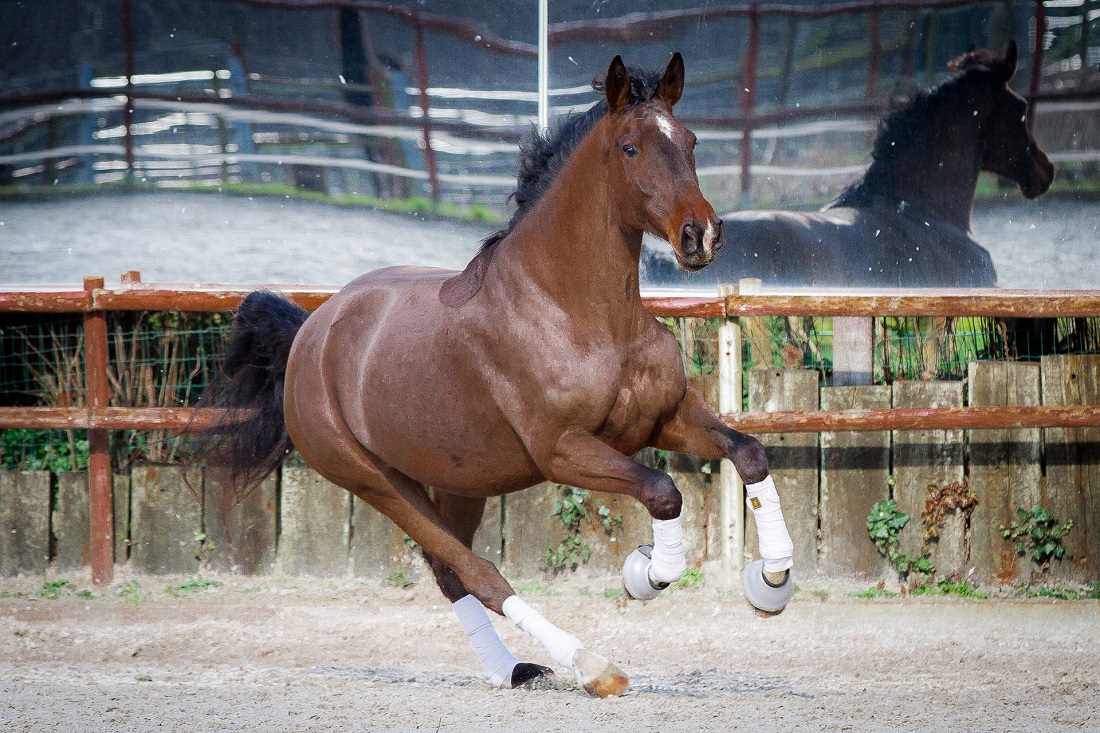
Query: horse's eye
x=630 y=150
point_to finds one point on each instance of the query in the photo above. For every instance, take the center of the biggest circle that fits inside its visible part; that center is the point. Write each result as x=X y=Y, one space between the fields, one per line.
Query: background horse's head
x=652 y=180
x=1010 y=150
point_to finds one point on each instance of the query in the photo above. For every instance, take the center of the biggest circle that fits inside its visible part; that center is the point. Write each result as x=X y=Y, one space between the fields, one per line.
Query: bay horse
x=907 y=222
x=538 y=362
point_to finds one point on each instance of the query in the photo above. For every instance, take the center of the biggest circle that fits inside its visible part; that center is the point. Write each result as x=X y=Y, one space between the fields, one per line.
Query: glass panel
x=257 y=141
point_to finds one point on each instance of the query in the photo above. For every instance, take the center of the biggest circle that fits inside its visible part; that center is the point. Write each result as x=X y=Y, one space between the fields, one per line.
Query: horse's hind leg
x=463 y=515
x=407 y=504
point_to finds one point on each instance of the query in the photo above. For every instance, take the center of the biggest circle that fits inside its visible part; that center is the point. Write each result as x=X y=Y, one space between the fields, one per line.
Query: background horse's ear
x=671 y=85
x=617 y=86
x=1010 y=57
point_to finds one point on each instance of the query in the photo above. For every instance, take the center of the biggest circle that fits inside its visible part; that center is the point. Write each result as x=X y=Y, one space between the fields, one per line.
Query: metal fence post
x=101 y=499
x=746 y=97
x=422 y=83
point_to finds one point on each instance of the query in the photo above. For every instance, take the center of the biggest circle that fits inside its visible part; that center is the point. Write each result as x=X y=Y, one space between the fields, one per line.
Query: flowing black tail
x=251 y=379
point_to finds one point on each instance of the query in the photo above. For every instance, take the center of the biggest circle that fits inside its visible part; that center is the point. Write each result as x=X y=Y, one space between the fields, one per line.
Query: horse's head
x=1010 y=149
x=653 y=181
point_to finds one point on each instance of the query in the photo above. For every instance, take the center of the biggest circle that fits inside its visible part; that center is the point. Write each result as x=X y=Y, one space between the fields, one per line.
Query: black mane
x=903 y=126
x=542 y=154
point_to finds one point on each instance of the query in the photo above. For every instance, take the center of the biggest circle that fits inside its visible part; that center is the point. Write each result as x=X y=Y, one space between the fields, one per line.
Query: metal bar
x=98 y=390
x=874 y=60
x=984 y=302
x=128 y=110
x=954 y=418
x=746 y=100
x=422 y=82
x=1036 y=59
x=544 y=65
x=187 y=419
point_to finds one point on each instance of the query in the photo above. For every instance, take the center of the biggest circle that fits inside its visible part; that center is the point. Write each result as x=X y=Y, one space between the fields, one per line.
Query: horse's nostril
x=691 y=237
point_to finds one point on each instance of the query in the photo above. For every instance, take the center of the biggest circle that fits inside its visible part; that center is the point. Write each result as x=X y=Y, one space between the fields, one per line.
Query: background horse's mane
x=900 y=128
x=542 y=154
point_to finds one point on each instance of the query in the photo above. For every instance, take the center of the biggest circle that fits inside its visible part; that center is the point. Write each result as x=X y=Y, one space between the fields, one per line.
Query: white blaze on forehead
x=665 y=126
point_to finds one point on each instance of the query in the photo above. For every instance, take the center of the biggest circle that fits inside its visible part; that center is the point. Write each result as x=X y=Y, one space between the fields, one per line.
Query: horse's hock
x=177 y=521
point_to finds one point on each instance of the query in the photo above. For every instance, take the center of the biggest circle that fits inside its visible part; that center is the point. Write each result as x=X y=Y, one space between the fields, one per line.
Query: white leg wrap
x=668 y=551
x=776 y=546
x=495 y=657
x=560 y=645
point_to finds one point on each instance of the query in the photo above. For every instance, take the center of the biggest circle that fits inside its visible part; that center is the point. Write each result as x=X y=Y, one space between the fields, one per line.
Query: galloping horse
x=537 y=362
x=906 y=222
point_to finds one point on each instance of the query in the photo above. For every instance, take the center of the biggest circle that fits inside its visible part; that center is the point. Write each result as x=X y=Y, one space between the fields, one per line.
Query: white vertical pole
x=544 y=64
x=732 y=491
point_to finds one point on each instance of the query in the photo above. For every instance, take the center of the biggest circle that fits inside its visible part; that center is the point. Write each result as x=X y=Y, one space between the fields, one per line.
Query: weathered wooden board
x=530 y=527
x=1073 y=465
x=24 y=522
x=72 y=521
x=489 y=538
x=315 y=524
x=165 y=514
x=241 y=528
x=121 y=500
x=701 y=513
x=855 y=473
x=929 y=457
x=378 y=548
x=1005 y=472
x=610 y=547
x=794 y=459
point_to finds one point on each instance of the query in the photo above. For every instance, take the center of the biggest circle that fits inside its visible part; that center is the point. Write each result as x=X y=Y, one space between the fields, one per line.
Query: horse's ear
x=617 y=86
x=1010 y=58
x=671 y=85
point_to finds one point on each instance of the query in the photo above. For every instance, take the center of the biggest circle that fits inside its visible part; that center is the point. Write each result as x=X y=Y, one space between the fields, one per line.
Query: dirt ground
x=315 y=655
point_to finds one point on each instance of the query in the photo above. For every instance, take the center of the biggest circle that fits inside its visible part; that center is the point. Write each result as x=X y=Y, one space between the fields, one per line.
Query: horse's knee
x=750 y=459
x=662 y=498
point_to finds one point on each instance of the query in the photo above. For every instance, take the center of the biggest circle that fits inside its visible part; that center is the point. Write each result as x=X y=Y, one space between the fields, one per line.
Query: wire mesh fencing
x=167 y=359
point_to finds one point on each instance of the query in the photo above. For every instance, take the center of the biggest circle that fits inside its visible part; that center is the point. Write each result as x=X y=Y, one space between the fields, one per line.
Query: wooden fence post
x=98 y=389
x=853 y=351
x=1073 y=465
x=1004 y=468
x=732 y=505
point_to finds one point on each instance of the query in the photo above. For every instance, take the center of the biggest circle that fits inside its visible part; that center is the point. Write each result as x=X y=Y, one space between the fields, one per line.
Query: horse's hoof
x=636 y=580
x=529 y=676
x=598 y=677
x=763 y=594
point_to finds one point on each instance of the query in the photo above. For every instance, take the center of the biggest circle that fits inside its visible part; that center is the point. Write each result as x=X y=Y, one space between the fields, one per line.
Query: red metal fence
x=633 y=27
x=95 y=300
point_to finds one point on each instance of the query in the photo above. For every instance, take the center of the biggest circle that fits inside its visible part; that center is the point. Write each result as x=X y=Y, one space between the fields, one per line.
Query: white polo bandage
x=776 y=547
x=668 y=564
x=494 y=656
x=560 y=645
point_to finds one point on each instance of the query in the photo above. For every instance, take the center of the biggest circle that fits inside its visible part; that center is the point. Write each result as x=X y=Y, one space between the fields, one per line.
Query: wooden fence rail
x=838 y=418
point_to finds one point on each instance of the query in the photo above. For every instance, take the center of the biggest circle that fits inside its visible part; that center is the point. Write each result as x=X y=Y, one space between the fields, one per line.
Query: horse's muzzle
x=699 y=246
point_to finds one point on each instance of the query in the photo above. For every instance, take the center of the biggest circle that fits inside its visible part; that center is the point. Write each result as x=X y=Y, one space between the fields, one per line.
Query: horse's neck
x=573 y=247
x=935 y=179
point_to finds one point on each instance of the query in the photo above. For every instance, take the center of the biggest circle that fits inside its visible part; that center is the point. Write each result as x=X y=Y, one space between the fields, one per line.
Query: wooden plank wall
x=177 y=521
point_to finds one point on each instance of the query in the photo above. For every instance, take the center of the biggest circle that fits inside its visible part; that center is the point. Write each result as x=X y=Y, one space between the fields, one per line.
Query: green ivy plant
x=883 y=525
x=573 y=511
x=1037 y=534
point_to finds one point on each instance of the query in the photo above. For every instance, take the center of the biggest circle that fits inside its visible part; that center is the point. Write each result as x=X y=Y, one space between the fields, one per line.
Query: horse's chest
x=643 y=398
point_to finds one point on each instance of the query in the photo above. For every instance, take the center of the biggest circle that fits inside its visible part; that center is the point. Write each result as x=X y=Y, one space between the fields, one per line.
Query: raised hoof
x=529 y=676
x=599 y=677
x=636 y=582
x=766 y=597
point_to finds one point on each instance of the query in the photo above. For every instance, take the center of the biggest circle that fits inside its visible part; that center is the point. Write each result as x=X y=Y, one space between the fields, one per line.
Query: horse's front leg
x=583 y=460
x=697 y=431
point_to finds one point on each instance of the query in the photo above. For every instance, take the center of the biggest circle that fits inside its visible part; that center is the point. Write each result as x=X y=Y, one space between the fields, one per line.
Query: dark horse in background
x=906 y=222
x=538 y=362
